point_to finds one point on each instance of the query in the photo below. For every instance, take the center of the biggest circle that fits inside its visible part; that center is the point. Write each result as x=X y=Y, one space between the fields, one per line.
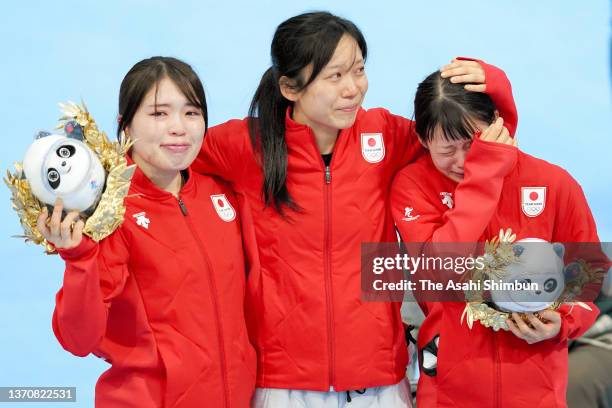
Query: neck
x=325 y=137
x=170 y=181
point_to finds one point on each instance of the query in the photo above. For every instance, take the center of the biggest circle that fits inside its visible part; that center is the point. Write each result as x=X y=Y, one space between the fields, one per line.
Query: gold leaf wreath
x=110 y=210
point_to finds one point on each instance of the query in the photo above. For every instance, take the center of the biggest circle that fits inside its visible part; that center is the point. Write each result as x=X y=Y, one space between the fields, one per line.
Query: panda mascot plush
x=63 y=166
x=79 y=165
x=535 y=279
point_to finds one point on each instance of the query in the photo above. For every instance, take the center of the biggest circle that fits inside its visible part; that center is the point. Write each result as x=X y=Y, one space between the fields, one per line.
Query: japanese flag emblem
x=224 y=209
x=372 y=147
x=533 y=200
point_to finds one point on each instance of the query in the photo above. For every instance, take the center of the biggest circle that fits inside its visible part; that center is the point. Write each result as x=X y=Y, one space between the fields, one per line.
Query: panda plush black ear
x=41 y=134
x=518 y=250
x=559 y=249
x=73 y=130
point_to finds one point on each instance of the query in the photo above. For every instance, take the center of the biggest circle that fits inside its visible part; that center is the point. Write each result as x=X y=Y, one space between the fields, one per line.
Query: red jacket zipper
x=213 y=286
x=327 y=256
x=327 y=269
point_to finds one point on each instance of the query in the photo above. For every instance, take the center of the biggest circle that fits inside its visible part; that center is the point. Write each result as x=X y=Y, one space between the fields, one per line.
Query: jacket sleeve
x=476 y=198
x=95 y=274
x=575 y=320
x=499 y=88
x=406 y=146
x=222 y=151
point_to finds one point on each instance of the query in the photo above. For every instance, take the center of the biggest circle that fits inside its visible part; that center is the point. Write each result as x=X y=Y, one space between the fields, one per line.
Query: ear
x=518 y=250
x=496 y=115
x=288 y=88
x=73 y=130
x=559 y=249
x=41 y=134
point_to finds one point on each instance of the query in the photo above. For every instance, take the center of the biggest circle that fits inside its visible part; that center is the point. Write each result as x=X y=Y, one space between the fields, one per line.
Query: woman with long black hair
x=314 y=168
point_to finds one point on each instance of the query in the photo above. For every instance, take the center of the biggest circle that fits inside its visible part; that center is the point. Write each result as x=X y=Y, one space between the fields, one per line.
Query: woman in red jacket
x=316 y=170
x=465 y=190
x=161 y=299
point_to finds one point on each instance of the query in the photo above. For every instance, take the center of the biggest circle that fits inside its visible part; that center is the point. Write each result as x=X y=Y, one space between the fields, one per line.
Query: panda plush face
x=539 y=263
x=66 y=166
x=60 y=166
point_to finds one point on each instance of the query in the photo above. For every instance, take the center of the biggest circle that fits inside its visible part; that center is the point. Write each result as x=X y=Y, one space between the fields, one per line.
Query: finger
x=41 y=223
x=77 y=232
x=525 y=330
x=460 y=70
x=551 y=316
x=504 y=136
x=476 y=88
x=455 y=63
x=514 y=329
x=469 y=78
x=66 y=225
x=491 y=133
x=537 y=324
x=56 y=217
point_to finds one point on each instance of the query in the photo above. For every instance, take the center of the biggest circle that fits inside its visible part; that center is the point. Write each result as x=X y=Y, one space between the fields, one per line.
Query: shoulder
x=420 y=171
x=234 y=132
x=379 y=116
x=531 y=166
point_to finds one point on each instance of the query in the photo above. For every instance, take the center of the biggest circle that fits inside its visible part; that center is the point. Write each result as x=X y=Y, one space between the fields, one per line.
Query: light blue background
x=556 y=54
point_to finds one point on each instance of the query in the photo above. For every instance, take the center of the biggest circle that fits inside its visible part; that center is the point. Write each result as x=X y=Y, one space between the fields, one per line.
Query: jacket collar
x=300 y=137
x=144 y=185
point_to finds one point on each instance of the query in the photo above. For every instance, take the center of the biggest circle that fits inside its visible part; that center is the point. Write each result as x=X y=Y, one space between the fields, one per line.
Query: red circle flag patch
x=533 y=200
x=223 y=207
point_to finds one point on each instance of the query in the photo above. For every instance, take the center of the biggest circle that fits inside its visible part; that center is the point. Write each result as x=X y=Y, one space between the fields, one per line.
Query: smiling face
x=448 y=156
x=167 y=130
x=331 y=101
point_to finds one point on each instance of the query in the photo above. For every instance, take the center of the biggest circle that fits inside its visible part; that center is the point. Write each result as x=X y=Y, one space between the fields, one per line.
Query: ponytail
x=267 y=131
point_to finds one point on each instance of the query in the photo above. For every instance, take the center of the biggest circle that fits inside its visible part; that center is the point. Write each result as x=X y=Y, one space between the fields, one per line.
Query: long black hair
x=146 y=74
x=307 y=39
x=440 y=103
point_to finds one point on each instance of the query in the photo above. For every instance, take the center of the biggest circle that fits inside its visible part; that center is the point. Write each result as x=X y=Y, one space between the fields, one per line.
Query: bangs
x=187 y=87
x=452 y=120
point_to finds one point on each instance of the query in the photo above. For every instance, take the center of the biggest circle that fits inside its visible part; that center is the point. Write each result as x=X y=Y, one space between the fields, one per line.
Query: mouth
x=176 y=147
x=349 y=109
x=456 y=174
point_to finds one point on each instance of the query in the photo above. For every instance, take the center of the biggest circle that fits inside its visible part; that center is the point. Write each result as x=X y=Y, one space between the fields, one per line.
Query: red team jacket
x=480 y=367
x=161 y=299
x=305 y=314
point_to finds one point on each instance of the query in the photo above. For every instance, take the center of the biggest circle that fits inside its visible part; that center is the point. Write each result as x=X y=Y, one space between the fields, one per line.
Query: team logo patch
x=533 y=200
x=142 y=220
x=372 y=147
x=224 y=209
x=408 y=214
x=447 y=199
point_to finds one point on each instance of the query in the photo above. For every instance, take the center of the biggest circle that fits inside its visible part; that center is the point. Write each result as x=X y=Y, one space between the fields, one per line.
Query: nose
x=176 y=126
x=351 y=87
x=460 y=158
x=538 y=292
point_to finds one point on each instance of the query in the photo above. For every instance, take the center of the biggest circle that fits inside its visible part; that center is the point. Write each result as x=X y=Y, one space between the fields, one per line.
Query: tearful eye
x=53 y=177
x=65 y=151
x=550 y=285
